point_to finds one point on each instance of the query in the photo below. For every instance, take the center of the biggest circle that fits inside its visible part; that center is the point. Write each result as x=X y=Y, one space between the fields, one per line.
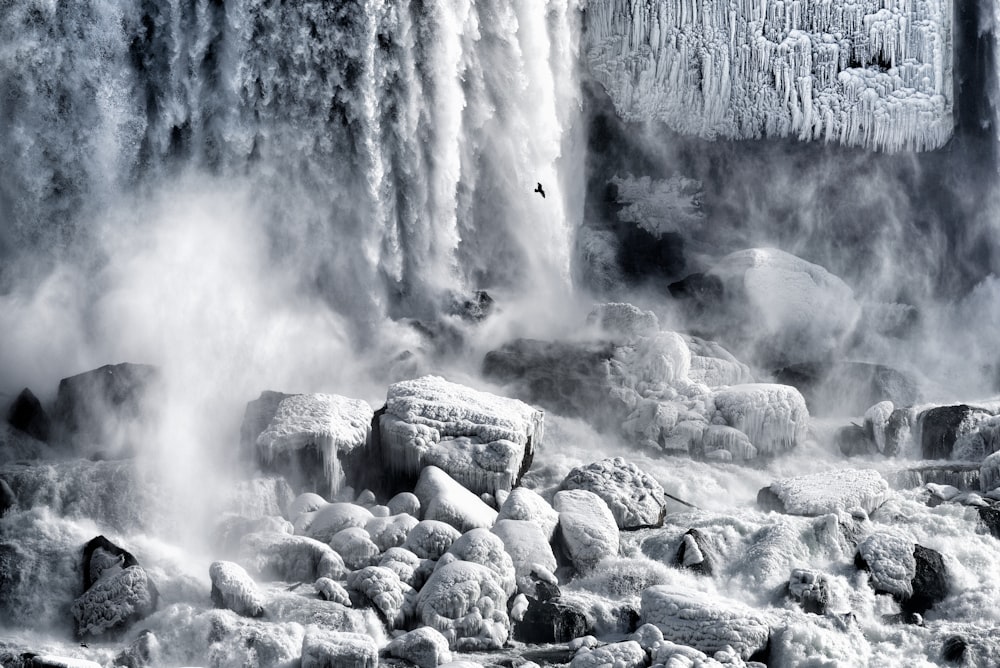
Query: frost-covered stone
x=444 y=499
x=429 y=539
x=309 y=425
x=774 y=417
x=913 y=574
x=828 y=492
x=404 y=502
x=588 y=528
x=467 y=605
x=333 y=518
x=424 y=647
x=811 y=589
x=306 y=502
x=525 y=504
x=234 y=589
x=290 y=558
x=707 y=623
x=355 y=546
x=623 y=321
x=941 y=427
x=717 y=439
x=117 y=599
x=989 y=472
x=407 y=566
x=528 y=548
x=383 y=589
x=331 y=590
x=481 y=546
x=983 y=441
x=335 y=649
x=627 y=654
x=712 y=365
x=861 y=74
x=634 y=497
x=390 y=531
x=232 y=528
x=695 y=552
x=484 y=441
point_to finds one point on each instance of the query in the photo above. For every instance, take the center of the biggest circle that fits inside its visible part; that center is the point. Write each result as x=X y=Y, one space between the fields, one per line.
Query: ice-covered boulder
x=383 y=589
x=553 y=620
x=117 y=599
x=331 y=590
x=309 y=434
x=627 y=654
x=588 y=528
x=811 y=589
x=290 y=558
x=989 y=472
x=410 y=568
x=634 y=497
x=912 y=574
x=333 y=518
x=525 y=504
x=712 y=365
x=424 y=647
x=466 y=603
x=256 y=417
x=429 y=539
x=707 y=623
x=859 y=74
x=390 y=531
x=722 y=443
x=306 y=502
x=695 y=552
x=231 y=529
x=817 y=494
x=337 y=649
x=442 y=498
x=774 y=417
x=483 y=547
x=404 y=502
x=623 y=322
x=483 y=441
x=941 y=427
x=355 y=546
x=528 y=548
x=234 y=589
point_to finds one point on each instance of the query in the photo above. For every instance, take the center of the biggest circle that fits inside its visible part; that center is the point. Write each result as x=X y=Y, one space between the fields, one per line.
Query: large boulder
x=322 y=648
x=912 y=574
x=483 y=441
x=529 y=551
x=707 y=623
x=466 y=603
x=119 y=597
x=424 y=647
x=308 y=437
x=278 y=556
x=634 y=497
x=525 y=504
x=553 y=620
x=107 y=412
x=627 y=654
x=381 y=587
x=234 y=589
x=588 y=529
x=442 y=498
x=430 y=539
x=941 y=427
x=818 y=494
x=774 y=417
x=27 y=414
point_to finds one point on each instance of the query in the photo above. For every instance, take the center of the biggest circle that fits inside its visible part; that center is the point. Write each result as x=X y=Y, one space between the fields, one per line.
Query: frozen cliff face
x=863 y=73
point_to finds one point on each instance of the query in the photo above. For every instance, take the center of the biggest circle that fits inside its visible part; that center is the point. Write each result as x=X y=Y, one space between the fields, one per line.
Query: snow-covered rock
x=307 y=425
x=940 y=428
x=333 y=518
x=623 y=321
x=811 y=589
x=627 y=654
x=723 y=443
x=483 y=547
x=712 y=365
x=425 y=647
x=390 y=531
x=355 y=546
x=696 y=553
x=989 y=472
x=860 y=74
x=707 y=623
x=913 y=574
x=383 y=589
x=331 y=590
x=117 y=599
x=410 y=568
x=528 y=548
x=587 y=526
x=404 y=502
x=817 y=494
x=467 y=605
x=484 y=441
x=634 y=497
x=290 y=558
x=337 y=649
x=774 y=417
x=429 y=539
x=525 y=504
x=234 y=589
x=306 y=502
x=442 y=498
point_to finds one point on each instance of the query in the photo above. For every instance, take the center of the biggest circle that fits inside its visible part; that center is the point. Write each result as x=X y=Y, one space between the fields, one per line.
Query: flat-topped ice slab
x=828 y=492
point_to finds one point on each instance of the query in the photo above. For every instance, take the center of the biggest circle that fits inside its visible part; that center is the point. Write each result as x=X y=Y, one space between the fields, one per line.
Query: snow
x=817 y=494
x=774 y=417
x=862 y=73
x=442 y=498
x=707 y=623
x=626 y=654
x=635 y=499
x=334 y=424
x=525 y=504
x=429 y=539
x=529 y=549
x=425 y=647
x=891 y=562
x=588 y=528
x=480 y=439
x=337 y=649
x=289 y=558
x=467 y=605
x=234 y=589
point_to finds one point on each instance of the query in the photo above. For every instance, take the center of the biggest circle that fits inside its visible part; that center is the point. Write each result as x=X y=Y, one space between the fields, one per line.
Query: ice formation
x=331 y=590
x=817 y=494
x=355 y=546
x=627 y=654
x=528 y=505
x=467 y=605
x=234 y=589
x=117 y=599
x=322 y=648
x=431 y=538
x=383 y=589
x=623 y=321
x=529 y=551
x=333 y=424
x=707 y=623
x=481 y=546
x=482 y=440
x=442 y=498
x=289 y=558
x=890 y=561
x=588 y=529
x=870 y=73
x=391 y=531
x=774 y=417
x=635 y=499
x=424 y=647
x=335 y=517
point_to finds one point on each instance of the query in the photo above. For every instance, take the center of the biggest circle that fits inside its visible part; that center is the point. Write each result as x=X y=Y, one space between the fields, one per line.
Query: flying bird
x=539 y=191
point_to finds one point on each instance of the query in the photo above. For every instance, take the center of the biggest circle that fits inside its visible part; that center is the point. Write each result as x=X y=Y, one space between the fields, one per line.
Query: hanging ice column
x=872 y=73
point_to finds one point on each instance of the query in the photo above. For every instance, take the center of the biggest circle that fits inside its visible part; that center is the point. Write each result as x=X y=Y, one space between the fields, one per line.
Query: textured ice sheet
x=589 y=531
x=466 y=603
x=635 y=499
x=831 y=491
x=863 y=73
x=774 y=417
x=891 y=562
x=480 y=439
x=234 y=589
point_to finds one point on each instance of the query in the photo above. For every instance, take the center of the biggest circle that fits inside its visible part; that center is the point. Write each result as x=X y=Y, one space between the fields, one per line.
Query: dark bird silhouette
x=539 y=191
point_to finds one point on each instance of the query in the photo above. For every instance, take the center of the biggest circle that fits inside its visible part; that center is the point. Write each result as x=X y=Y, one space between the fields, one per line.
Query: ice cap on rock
x=525 y=504
x=817 y=494
x=634 y=497
x=443 y=498
x=774 y=417
x=588 y=528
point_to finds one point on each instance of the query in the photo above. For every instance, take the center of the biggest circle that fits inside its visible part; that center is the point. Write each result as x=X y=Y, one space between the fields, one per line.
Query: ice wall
x=872 y=73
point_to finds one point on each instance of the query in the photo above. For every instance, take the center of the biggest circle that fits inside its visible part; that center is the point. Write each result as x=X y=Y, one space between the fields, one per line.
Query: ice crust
x=383 y=588
x=528 y=548
x=480 y=439
x=113 y=601
x=467 y=605
x=525 y=504
x=589 y=531
x=628 y=654
x=425 y=647
x=442 y=498
x=832 y=491
x=234 y=589
x=290 y=558
x=337 y=649
x=774 y=417
x=635 y=499
x=891 y=562
x=864 y=73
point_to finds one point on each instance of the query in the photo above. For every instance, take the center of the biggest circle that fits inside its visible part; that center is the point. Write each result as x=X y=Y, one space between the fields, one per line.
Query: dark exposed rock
x=953 y=649
x=903 y=618
x=475 y=308
x=930 y=584
x=848 y=388
x=696 y=553
x=940 y=427
x=27 y=414
x=852 y=440
x=810 y=589
x=990 y=516
x=257 y=416
x=768 y=500
x=699 y=292
x=8 y=499
x=554 y=620
x=103 y=412
x=896 y=431
x=139 y=654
